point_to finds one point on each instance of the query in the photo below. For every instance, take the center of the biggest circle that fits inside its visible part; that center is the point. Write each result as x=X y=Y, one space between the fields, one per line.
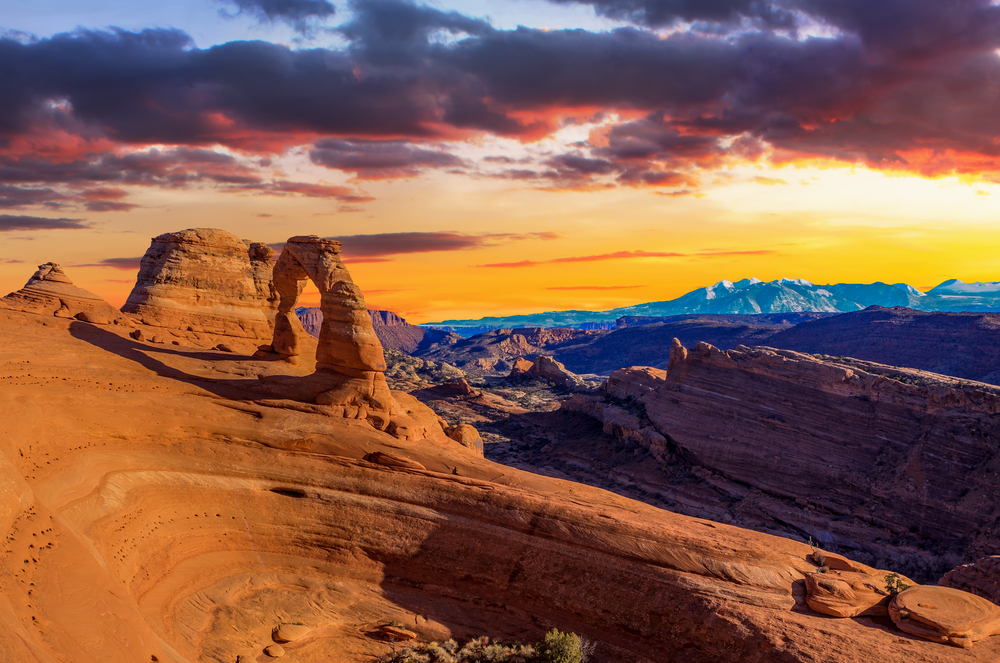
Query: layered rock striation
x=50 y=292
x=205 y=280
x=198 y=531
x=894 y=458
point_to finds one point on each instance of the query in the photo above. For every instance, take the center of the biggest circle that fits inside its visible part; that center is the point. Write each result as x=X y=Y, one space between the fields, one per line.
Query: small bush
x=894 y=584
x=557 y=647
x=561 y=647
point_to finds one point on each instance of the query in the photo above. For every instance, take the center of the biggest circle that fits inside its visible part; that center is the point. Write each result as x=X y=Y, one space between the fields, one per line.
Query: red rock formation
x=945 y=615
x=204 y=280
x=349 y=358
x=902 y=451
x=981 y=578
x=189 y=533
x=545 y=368
x=50 y=292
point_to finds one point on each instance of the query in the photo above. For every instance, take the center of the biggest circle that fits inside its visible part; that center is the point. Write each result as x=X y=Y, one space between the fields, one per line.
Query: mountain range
x=753 y=296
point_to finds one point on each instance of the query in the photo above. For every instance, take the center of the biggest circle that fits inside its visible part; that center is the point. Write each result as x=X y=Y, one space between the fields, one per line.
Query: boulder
x=274 y=651
x=847 y=594
x=467 y=436
x=50 y=292
x=634 y=382
x=548 y=369
x=981 y=578
x=289 y=632
x=205 y=280
x=946 y=615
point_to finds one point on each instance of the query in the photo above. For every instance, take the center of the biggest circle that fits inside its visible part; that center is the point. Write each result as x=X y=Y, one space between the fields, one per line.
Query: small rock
x=274 y=651
x=222 y=347
x=396 y=633
x=137 y=335
x=157 y=339
x=92 y=317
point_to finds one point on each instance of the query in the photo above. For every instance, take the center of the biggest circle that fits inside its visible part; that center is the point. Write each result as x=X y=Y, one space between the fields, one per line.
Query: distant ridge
x=753 y=297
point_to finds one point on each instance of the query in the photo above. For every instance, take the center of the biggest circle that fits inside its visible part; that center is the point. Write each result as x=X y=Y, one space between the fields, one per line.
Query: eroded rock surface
x=205 y=280
x=50 y=292
x=188 y=533
x=853 y=448
x=945 y=615
x=981 y=578
x=548 y=369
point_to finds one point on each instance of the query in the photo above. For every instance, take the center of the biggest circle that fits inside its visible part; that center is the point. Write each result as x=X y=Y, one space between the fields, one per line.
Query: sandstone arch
x=349 y=357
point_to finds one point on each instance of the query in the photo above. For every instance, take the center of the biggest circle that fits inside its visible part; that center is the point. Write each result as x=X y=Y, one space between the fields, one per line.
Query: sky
x=493 y=157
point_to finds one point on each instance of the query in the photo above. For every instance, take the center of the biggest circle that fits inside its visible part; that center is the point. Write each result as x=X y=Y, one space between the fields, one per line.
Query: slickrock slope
x=963 y=345
x=194 y=531
x=204 y=280
x=50 y=292
x=884 y=458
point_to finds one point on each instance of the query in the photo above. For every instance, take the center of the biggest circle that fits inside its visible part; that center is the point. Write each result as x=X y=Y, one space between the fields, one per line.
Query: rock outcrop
x=205 y=280
x=188 y=533
x=945 y=615
x=50 y=292
x=547 y=369
x=981 y=578
x=878 y=461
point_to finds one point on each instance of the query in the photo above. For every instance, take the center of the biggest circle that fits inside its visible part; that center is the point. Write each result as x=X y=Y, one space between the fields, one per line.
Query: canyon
x=171 y=499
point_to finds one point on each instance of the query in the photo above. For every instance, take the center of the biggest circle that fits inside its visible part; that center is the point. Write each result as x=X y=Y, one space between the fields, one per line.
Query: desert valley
x=196 y=478
x=500 y=331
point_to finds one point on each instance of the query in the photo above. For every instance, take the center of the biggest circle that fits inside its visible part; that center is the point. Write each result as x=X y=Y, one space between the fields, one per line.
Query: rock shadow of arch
x=250 y=388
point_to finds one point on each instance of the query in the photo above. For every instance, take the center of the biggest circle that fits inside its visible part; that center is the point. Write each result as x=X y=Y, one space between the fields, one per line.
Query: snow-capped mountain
x=753 y=296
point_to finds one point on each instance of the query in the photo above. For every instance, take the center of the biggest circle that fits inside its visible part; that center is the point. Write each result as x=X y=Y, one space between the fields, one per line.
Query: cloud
x=382 y=159
x=13 y=197
x=768 y=181
x=305 y=189
x=129 y=264
x=297 y=13
x=897 y=85
x=372 y=248
x=596 y=287
x=9 y=223
x=657 y=13
x=617 y=255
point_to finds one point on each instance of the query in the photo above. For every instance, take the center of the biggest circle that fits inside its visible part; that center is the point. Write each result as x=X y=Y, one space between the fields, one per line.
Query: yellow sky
x=826 y=225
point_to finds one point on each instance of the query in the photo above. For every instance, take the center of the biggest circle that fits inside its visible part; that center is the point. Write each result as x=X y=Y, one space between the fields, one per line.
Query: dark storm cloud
x=13 y=197
x=657 y=13
x=9 y=223
x=297 y=13
x=379 y=159
x=894 y=75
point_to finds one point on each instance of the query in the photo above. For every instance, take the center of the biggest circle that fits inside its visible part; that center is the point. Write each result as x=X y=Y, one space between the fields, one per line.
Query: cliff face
x=904 y=452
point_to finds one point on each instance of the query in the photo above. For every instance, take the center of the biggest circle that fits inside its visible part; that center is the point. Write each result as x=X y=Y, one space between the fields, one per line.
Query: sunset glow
x=631 y=160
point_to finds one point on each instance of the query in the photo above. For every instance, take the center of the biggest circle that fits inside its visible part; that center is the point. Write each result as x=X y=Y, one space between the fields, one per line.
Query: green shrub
x=561 y=647
x=894 y=584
